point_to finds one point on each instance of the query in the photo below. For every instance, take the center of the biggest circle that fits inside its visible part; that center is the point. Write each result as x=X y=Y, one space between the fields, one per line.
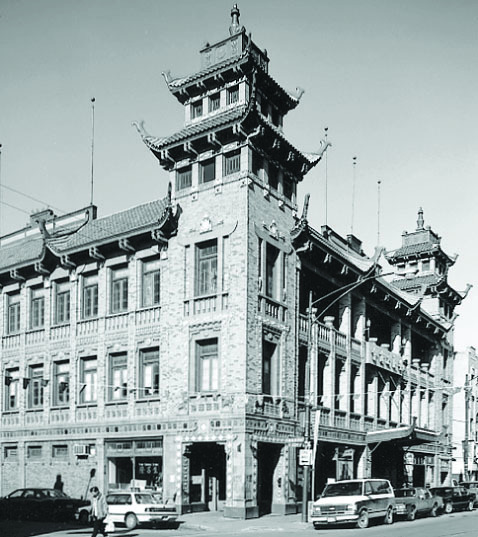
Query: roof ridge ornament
x=235 y=27
x=421 y=220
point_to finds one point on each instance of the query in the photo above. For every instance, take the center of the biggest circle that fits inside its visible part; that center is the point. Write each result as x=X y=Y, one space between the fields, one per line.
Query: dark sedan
x=39 y=504
x=455 y=498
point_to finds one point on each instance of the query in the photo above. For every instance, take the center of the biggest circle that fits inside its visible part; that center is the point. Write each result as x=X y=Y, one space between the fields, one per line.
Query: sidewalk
x=216 y=522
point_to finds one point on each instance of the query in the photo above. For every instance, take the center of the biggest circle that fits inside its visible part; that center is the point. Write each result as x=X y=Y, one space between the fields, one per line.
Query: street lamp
x=312 y=318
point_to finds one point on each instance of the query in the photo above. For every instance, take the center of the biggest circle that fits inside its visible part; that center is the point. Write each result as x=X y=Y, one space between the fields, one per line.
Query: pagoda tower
x=233 y=278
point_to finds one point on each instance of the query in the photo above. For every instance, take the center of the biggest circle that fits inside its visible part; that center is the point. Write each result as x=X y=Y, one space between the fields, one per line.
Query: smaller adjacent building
x=465 y=415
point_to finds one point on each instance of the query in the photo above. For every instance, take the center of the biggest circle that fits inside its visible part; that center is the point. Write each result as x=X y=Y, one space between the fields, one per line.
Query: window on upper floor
x=207 y=365
x=149 y=373
x=119 y=290
x=214 y=102
x=232 y=162
x=184 y=178
x=62 y=303
x=61 y=383
x=207 y=170
x=272 y=272
x=34 y=452
x=273 y=176
x=88 y=380
x=118 y=377
x=11 y=380
x=11 y=452
x=425 y=265
x=89 y=295
x=13 y=305
x=150 y=295
x=196 y=109
x=288 y=187
x=35 y=386
x=270 y=364
x=206 y=268
x=232 y=95
x=59 y=451
x=37 y=308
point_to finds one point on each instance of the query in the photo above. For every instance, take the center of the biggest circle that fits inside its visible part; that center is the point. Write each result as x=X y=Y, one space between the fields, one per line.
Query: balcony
x=60 y=332
x=12 y=341
x=204 y=403
x=206 y=304
x=382 y=357
x=87 y=327
x=33 y=337
x=147 y=316
x=117 y=322
x=271 y=308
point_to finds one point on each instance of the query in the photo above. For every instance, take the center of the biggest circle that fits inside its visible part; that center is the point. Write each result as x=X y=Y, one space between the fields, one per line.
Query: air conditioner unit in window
x=81 y=450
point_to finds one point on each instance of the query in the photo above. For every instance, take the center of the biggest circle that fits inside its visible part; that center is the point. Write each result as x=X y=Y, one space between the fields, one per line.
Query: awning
x=407 y=436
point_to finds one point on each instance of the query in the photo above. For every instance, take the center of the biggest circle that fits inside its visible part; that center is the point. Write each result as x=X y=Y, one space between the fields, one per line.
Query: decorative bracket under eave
x=126 y=246
x=15 y=275
x=94 y=253
x=41 y=269
x=66 y=262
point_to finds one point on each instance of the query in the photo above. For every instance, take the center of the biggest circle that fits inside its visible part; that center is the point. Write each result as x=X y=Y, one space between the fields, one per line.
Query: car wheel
x=389 y=516
x=470 y=505
x=412 y=513
x=434 y=510
x=316 y=525
x=131 y=521
x=448 y=508
x=83 y=518
x=363 y=520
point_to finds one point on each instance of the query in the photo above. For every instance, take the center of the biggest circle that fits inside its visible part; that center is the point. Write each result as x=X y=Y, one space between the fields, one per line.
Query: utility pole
x=305 y=483
x=467 y=419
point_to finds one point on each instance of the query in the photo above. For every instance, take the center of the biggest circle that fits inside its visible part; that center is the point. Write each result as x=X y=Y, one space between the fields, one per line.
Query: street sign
x=305 y=457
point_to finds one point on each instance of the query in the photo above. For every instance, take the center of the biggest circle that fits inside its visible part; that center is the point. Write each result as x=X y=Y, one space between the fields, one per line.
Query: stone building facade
x=172 y=345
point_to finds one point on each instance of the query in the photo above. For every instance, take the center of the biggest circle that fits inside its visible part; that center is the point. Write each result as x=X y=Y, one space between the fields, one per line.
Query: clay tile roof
x=413 y=249
x=197 y=128
x=416 y=281
x=116 y=225
x=21 y=252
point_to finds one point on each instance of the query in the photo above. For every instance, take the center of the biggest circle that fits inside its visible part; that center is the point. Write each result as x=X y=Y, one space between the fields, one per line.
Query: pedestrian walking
x=99 y=511
x=58 y=483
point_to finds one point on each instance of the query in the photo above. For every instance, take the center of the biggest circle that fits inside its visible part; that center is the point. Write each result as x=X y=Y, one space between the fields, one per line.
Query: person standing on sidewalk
x=99 y=511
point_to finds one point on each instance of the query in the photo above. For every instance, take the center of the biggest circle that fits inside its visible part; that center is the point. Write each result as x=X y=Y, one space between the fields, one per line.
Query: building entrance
x=267 y=459
x=207 y=462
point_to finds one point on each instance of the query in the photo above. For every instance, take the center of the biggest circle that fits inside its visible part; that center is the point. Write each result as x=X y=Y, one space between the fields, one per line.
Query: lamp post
x=311 y=319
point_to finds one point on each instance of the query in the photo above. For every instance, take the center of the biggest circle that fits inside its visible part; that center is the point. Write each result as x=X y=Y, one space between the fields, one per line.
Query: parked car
x=39 y=504
x=455 y=498
x=132 y=508
x=471 y=486
x=354 y=501
x=413 y=501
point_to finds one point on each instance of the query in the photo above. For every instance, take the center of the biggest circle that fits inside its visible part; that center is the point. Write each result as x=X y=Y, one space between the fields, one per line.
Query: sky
x=394 y=82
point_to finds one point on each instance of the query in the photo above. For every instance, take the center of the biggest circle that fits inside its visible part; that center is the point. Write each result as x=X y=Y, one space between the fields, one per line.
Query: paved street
x=205 y=524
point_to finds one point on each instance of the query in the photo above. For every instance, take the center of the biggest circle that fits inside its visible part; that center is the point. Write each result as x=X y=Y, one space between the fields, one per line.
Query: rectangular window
x=35 y=386
x=270 y=367
x=119 y=290
x=272 y=271
x=88 y=380
x=208 y=171
x=214 y=102
x=34 y=452
x=232 y=162
x=207 y=366
x=13 y=304
x=288 y=188
x=426 y=265
x=118 y=376
x=273 y=176
x=184 y=178
x=196 y=109
x=37 y=308
x=149 y=373
x=206 y=268
x=59 y=452
x=232 y=95
x=11 y=452
x=89 y=297
x=61 y=383
x=62 y=303
x=151 y=284
x=11 y=389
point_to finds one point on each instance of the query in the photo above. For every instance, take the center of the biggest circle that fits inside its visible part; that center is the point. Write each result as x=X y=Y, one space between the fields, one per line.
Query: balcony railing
x=11 y=341
x=87 y=327
x=206 y=304
x=272 y=308
x=117 y=322
x=35 y=336
x=60 y=332
x=148 y=316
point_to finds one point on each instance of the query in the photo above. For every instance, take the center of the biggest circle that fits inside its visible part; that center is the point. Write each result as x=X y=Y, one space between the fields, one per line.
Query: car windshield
x=405 y=493
x=349 y=488
x=144 y=498
x=54 y=493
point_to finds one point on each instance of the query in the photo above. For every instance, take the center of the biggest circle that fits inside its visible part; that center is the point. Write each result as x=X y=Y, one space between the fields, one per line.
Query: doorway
x=267 y=458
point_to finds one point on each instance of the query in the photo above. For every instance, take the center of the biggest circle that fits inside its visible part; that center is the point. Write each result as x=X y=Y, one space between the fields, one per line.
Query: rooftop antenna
x=326 y=179
x=354 y=164
x=92 y=146
x=0 y=190
x=379 y=182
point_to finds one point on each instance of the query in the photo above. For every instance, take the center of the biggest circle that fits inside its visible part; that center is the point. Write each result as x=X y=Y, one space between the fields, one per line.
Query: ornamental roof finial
x=420 y=221
x=235 y=28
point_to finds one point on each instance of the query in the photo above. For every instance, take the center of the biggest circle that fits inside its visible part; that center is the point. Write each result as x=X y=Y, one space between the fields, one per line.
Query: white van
x=354 y=501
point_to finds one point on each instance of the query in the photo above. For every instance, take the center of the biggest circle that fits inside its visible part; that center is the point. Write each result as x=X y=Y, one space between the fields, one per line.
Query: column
x=396 y=337
x=360 y=319
x=345 y=314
